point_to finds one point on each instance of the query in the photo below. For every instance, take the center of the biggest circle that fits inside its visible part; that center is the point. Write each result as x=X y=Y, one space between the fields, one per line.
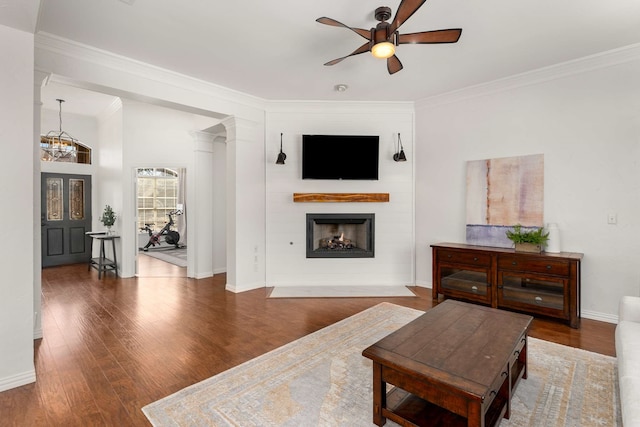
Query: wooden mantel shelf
x=340 y=197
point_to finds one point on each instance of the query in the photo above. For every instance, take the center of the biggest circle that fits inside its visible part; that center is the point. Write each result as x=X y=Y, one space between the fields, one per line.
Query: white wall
x=88 y=68
x=287 y=264
x=107 y=155
x=85 y=129
x=161 y=137
x=17 y=211
x=85 y=67
x=144 y=135
x=586 y=122
x=245 y=200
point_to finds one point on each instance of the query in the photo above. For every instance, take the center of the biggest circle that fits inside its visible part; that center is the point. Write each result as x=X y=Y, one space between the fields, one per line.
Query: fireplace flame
x=341 y=237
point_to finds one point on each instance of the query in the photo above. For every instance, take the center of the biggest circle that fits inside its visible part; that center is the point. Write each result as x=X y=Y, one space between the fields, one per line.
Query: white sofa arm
x=629 y=309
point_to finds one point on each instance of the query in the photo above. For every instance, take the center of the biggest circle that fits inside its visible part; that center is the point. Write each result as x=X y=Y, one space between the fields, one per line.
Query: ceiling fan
x=383 y=39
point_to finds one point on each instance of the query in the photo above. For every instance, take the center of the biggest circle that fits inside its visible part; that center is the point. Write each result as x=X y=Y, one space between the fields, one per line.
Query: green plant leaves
x=519 y=235
x=108 y=217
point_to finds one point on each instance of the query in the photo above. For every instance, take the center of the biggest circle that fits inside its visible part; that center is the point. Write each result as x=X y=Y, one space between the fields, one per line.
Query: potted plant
x=528 y=240
x=108 y=218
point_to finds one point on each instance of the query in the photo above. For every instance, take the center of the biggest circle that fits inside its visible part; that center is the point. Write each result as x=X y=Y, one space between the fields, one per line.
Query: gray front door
x=65 y=218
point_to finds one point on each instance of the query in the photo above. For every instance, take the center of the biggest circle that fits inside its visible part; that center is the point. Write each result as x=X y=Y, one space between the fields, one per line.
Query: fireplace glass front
x=340 y=235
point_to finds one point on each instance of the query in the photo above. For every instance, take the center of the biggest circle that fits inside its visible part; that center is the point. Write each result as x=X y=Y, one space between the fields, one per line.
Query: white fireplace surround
x=286 y=258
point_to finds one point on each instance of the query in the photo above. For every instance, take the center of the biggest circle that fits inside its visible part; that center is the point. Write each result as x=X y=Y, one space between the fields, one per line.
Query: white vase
x=553 y=244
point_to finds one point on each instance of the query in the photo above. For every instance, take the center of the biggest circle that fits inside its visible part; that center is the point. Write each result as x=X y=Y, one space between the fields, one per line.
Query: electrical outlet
x=612 y=218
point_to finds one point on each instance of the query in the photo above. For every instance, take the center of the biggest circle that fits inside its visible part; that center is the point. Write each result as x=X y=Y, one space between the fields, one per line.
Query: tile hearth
x=339 y=291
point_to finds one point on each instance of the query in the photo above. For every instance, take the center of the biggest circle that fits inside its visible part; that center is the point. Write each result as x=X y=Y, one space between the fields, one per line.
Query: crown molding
x=68 y=48
x=339 y=106
x=577 y=66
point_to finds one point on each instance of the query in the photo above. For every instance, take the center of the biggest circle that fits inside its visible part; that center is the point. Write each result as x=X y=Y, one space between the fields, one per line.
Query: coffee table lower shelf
x=403 y=406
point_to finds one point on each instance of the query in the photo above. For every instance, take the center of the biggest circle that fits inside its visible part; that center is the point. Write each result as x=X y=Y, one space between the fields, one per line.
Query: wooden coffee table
x=457 y=364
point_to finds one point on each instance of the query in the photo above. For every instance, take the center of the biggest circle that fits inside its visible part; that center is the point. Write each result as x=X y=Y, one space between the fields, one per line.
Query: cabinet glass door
x=520 y=291
x=464 y=282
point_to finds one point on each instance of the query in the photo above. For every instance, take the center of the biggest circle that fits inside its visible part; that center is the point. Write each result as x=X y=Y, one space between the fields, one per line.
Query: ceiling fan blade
x=328 y=21
x=362 y=49
x=437 y=36
x=404 y=12
x=393 y=64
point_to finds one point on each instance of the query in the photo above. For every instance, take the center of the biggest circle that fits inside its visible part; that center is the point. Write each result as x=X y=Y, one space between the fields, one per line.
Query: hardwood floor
x=153 y=267
x=111 y=346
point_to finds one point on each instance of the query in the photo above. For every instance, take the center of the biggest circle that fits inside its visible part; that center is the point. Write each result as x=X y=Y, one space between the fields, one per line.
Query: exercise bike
x=171 y=237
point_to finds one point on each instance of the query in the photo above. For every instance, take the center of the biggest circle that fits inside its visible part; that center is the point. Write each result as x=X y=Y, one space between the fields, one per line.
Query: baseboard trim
x=203 y=275
x=602 y=317
x=424 y=284
x=18 y=380
x=249 y=287
x=340 y=291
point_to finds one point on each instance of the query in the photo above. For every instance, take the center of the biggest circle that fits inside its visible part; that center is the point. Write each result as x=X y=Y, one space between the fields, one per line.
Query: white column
x=219 y=214
x=39 y=80
x=199 y=206
x=245 y=204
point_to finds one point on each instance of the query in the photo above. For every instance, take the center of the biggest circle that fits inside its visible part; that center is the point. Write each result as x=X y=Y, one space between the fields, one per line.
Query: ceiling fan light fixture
x=383 y=50
x=384 y=37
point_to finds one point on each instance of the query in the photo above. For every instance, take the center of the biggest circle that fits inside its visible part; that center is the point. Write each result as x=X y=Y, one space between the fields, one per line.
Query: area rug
x=340 y=291
x=175 y=256
x=323 y=380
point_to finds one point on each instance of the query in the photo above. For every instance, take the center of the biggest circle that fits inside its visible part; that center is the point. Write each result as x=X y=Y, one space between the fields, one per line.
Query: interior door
x=65 y=218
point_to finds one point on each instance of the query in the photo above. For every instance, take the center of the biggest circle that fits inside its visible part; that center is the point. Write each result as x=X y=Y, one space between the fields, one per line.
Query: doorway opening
x=161 y=222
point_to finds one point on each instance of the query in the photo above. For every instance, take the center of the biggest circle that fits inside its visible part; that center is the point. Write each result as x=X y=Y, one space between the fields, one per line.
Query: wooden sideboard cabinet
x=545 y=284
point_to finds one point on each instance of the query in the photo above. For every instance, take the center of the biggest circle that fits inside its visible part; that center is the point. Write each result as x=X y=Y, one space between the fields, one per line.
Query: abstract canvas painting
x=501 y=193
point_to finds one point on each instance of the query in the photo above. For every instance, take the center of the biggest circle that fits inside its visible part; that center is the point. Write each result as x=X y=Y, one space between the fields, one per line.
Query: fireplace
x=333 y=235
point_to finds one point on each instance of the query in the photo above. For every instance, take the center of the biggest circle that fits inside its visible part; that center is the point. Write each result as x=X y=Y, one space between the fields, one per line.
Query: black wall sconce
x=400 y=156
x=281 y=156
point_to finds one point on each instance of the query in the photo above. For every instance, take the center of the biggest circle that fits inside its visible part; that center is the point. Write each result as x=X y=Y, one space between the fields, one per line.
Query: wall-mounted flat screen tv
x=340 y=157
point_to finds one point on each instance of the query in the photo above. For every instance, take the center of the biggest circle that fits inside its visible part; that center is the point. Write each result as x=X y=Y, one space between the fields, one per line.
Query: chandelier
x=58 y=145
